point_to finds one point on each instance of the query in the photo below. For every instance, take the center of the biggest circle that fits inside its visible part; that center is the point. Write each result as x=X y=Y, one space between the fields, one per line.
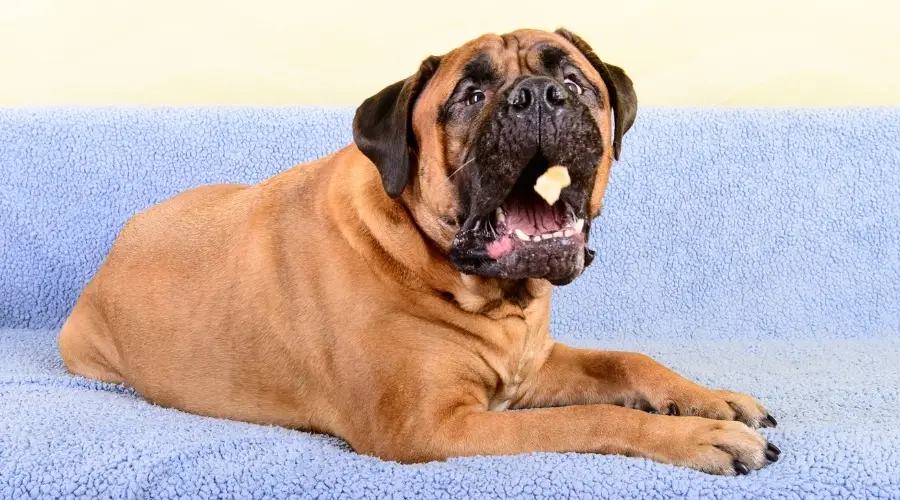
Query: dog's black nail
x=774 y=449
x=771 y=455
x=741 y=469
x=673 y=409
x=771 y=420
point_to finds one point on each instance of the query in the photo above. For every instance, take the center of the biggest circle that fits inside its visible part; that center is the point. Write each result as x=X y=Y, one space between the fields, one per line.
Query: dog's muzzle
x=508 y=230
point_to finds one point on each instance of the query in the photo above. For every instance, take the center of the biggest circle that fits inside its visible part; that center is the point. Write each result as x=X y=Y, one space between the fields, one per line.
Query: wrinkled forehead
x=494 y=59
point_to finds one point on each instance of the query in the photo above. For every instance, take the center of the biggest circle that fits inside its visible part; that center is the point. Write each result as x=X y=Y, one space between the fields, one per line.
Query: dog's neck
x=383 y=232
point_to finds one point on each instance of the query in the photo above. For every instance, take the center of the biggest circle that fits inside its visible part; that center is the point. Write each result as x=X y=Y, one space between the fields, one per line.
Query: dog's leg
x=573 y=376
x=85 y=345
x=713 y=446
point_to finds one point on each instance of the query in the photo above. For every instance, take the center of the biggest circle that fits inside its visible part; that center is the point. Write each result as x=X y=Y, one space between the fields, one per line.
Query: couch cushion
x=835 y=400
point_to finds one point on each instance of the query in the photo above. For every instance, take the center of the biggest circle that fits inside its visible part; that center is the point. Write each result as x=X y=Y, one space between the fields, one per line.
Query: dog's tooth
x=536 y=237
x=500 y=215
x=568 y=232
x=521 y=234
x=558 y=234
x=579 y=225
x=547 y=236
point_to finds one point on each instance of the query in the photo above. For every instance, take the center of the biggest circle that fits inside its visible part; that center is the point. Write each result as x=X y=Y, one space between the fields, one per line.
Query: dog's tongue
x=534 y=218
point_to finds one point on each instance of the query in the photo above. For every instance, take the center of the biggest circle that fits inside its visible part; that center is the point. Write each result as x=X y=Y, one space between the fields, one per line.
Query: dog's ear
x=621 y=91
x=382 y=128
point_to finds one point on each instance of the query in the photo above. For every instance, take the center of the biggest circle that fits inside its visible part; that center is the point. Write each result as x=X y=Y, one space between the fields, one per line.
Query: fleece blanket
x=751 y=249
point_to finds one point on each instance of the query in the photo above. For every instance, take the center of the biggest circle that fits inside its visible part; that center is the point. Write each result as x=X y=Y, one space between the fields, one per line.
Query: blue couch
x=751 y=249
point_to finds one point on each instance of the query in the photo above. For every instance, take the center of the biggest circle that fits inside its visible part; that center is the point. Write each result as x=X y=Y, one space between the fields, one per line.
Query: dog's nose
x=537 y=91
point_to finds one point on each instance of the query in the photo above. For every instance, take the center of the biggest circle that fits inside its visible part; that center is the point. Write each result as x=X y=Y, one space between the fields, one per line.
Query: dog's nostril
x=555 y=95
x=522 y=98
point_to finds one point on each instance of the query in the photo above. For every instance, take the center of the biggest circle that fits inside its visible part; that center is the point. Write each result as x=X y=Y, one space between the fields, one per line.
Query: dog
x=396 y=293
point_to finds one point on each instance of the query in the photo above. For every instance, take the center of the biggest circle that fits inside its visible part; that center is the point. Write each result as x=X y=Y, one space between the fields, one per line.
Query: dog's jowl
x=397 y=292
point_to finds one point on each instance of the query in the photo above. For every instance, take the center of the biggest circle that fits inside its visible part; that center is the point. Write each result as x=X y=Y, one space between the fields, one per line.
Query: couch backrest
x=735 y=222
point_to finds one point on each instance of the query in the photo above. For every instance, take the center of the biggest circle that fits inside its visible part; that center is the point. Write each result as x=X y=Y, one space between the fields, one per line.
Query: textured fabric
x=756 y=250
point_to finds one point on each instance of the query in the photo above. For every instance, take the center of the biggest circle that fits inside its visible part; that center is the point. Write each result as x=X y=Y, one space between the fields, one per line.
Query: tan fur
x=314 y=301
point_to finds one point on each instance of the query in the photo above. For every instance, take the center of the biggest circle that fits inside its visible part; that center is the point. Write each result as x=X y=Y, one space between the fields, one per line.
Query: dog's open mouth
x=525 y=218
x=525 y=237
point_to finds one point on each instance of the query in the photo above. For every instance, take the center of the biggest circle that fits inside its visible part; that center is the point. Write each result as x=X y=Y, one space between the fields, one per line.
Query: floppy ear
x=621 y=91
x=382 y=128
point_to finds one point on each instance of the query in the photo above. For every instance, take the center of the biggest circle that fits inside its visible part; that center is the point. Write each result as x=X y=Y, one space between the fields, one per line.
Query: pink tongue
x=534 y=218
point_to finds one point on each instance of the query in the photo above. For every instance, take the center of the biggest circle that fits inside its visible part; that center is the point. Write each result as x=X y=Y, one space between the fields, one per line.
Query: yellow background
x=689 y=52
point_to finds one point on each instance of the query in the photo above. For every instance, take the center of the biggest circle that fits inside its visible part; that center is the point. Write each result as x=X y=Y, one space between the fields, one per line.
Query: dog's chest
x=518 y=366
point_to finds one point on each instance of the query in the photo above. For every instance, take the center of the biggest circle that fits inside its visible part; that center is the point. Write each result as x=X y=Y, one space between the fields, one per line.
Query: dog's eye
x=574 y=87
x=475 y=97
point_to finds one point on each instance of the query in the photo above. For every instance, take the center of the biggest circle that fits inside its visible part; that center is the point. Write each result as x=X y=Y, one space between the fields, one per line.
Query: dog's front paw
x=718 y=405
x=716 y=447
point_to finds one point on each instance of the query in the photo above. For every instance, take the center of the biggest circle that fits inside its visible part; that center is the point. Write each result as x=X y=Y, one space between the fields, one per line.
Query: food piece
x=551 y=184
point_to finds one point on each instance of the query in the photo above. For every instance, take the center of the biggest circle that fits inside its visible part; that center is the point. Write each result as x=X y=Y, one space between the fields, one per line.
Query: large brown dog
x=397 y=292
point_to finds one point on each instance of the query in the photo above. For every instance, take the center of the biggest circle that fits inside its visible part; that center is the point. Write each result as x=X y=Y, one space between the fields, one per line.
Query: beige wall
x=688 y=52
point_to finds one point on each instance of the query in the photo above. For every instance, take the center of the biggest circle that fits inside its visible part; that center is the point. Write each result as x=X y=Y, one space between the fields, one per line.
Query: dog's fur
x=330 y=297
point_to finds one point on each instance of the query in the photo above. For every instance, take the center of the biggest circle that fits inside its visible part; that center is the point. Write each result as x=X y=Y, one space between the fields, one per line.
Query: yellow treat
x=551 y=184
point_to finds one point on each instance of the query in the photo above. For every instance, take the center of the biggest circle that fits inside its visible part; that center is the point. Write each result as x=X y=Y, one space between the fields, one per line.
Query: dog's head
x=463 y=141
